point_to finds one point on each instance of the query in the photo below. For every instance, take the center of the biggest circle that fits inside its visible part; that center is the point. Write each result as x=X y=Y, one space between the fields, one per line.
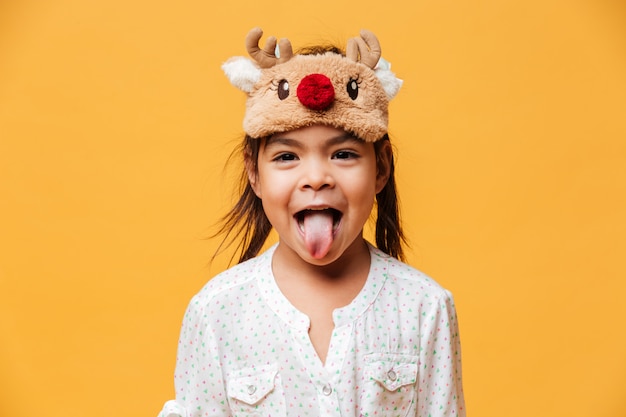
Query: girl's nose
x=316 y=177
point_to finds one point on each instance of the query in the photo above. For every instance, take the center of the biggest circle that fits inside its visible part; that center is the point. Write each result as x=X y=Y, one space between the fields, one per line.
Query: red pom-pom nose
x=316 y=92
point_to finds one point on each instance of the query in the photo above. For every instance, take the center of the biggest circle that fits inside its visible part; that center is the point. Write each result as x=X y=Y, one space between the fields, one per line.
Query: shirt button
x=327 y=390
x=392 y=375
x=251 y=389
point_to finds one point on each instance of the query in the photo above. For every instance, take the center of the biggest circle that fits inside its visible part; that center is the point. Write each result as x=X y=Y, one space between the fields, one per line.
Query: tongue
x=318 y=232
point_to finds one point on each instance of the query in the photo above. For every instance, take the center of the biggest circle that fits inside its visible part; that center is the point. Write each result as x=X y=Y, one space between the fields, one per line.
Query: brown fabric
x=365 y=114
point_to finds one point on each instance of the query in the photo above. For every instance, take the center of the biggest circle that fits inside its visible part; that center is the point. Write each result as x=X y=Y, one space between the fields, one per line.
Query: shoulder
x=241 y=277
x=408 y=279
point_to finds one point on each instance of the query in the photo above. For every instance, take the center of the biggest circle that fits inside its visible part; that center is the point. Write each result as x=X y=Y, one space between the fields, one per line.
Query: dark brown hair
x=247 y=226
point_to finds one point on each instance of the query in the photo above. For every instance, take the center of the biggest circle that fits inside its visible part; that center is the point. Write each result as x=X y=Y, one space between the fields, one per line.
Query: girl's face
x=318 y=186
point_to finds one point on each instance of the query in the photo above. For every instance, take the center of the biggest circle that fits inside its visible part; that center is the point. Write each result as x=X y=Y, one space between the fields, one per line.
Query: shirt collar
x=277 y=301
x=375 y=281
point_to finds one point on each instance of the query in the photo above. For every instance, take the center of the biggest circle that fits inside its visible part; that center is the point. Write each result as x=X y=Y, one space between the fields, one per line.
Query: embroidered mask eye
x=283 y=89
x=353 y=88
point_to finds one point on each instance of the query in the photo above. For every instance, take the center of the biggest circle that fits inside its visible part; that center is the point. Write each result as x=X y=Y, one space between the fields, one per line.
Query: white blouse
x=244 y=350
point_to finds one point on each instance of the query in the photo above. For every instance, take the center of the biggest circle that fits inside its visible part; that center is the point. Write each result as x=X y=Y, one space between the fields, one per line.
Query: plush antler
x=266 y=57
x=365 y=49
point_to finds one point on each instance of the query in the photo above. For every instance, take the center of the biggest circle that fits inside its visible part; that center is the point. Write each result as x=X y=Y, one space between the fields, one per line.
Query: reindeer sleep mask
x=287 y=91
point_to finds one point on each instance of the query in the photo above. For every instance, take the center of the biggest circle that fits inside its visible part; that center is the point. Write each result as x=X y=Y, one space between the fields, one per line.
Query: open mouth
x=333 y=214
x=318 y=228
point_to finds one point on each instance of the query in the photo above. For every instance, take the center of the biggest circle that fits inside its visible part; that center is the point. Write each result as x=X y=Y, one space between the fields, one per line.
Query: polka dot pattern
x=244 y=350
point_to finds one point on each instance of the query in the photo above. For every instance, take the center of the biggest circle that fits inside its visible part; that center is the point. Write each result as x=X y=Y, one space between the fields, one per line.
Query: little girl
x=322 y=323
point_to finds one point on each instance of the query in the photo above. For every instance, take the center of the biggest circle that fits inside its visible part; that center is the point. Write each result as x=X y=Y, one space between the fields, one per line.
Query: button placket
x=327 y=400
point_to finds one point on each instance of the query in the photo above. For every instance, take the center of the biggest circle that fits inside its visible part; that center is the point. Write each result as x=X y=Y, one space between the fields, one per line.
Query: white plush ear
x=242 y=72
x=391 y=84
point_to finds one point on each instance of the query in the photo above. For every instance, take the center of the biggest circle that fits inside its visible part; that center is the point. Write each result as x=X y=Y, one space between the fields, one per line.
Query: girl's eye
x=344 y=155
x=285 y=157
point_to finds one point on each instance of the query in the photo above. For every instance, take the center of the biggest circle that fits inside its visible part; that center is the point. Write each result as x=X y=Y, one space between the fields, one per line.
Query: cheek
x=363 y=188
x=263 y=183
x=370 y=180
x=273 y=189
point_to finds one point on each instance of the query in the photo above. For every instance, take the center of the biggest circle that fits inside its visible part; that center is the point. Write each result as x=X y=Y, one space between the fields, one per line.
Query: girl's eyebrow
x=279 y=140
x=336 y=140
x=346 y=137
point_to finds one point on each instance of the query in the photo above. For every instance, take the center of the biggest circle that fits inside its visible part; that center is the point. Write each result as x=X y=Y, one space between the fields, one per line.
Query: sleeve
x=198 y=378
x=440 y=390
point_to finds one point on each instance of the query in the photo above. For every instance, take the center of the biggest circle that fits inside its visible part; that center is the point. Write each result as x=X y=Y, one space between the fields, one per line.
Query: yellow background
x=115 y=125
